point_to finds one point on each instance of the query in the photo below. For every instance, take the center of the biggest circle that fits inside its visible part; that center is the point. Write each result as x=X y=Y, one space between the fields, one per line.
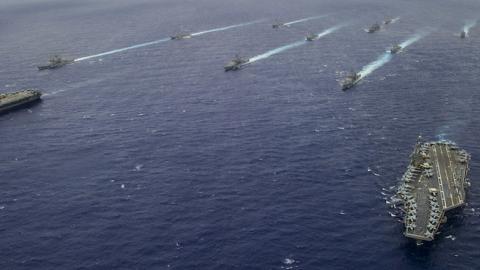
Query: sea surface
x=153 y=157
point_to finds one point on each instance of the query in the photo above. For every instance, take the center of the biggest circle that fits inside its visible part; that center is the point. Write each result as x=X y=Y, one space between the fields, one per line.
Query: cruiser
x=434 y=183
x=180 y=36
x=236 y=63
x=374 y=28
x=311 y=37
x=351 y=80
x=278 y=25
x=56 y=62
x=15 y=100
x=395 y=49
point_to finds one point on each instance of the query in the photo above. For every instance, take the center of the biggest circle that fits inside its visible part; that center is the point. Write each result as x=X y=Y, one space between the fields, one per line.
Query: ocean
x=145 y=154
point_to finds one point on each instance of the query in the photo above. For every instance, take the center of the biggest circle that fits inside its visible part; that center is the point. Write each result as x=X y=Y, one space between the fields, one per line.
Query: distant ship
x=180 y=36
x=395 y=49
x=351 y=80
x=374 y=28
x=278 y=25
x=434 y=183
x=387 y=21
x=463 y=34
x=311 y=37
x=11 y=101
x=55 y=62
x=236 y=63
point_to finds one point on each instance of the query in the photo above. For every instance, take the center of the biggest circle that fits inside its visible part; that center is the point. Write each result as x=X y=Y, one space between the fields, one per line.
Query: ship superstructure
x=56 y=62
x=350 y=80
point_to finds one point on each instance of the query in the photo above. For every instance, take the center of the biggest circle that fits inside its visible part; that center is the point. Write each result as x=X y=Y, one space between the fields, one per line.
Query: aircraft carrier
x=11 y=101
x=434 y=183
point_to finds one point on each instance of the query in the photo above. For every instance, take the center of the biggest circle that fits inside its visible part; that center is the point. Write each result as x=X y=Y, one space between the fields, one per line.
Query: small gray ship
x=15 y=100
x=434 y=183
x=56 y=62
x=311 y=37
x=278 y=25
x=374 y=28
x=235 y=64
x=180 y=36
x=463 y=34
x=350 y=81
x=395 y=49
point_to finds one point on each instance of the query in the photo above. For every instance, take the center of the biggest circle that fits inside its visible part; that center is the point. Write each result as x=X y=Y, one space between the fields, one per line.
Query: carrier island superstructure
x=434 y=183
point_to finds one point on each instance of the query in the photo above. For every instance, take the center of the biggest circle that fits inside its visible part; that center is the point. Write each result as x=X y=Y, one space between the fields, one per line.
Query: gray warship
x=311 y=37
x=236 y=63
x=463 y=34
x=374 y=28
x=395 y=49
x=434 y=183
x=56 y=62
x=277 y=25
x=180 y=36
x=15 y=100
x=351 y=80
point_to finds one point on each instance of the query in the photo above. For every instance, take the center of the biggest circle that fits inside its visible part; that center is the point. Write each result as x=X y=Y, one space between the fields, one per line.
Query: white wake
x=304 y=20
x=162 y=40
x=292 y=45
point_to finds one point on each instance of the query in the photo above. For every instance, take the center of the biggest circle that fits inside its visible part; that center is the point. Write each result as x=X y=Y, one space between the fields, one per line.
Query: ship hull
x=19 y=104
x=54 y=66
x=347 y=86
x=235 y=67
x=45 y=67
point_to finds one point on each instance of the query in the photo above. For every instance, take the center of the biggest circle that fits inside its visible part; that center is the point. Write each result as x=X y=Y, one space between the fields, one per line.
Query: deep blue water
x=155 y=158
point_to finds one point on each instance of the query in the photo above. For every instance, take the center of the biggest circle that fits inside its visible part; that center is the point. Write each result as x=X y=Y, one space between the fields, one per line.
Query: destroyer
x=180 y=36
x=11 y=101
x=433 y=184
x=236 y=63
x=395 y=49
x=311 y=37
x=351 y=80
x=278 y=25
x=56 y=62
x=374 y=28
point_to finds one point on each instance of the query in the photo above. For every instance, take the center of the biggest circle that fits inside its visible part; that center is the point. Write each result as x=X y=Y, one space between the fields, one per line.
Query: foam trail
x=382 y=60
x=330 y=30
x=160 y=41
x=387 y=56
x=304 y=20
x=122 y=49
x=224 y=28
x=75 y=86
x=441 y=136
x=276 y=51
x=411 y=40
x=292 y=45
x=448 y=131
x=394 y=20
x=469 y=24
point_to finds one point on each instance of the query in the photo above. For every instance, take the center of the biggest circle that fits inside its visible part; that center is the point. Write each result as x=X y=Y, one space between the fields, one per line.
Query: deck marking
x=439 y=178
x=454 y=176
x=447 y=177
